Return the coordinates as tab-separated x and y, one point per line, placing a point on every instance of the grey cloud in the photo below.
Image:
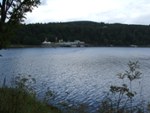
43	2
143	19
129	12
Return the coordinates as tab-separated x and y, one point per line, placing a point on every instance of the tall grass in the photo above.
20	99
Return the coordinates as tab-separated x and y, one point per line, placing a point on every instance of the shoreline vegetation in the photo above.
21	98
13	100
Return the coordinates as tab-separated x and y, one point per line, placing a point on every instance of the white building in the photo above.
46	42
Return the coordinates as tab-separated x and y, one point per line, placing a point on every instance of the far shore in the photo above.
43	46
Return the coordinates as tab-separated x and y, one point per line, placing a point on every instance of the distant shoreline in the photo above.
24	46
42	46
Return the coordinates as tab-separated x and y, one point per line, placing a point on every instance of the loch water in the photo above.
75	75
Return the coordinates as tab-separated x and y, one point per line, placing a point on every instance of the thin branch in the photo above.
9	4
15	11
18	8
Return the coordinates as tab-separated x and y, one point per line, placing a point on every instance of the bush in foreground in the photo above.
122	98
20	99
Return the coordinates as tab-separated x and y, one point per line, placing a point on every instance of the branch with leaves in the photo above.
13	12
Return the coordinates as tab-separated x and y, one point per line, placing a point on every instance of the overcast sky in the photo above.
108	11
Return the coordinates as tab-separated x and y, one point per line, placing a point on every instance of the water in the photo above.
78	75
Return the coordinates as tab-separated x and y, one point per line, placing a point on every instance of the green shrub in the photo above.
120	98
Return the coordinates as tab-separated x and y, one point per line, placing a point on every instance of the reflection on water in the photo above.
75	74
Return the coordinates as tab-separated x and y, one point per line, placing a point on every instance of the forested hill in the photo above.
97	34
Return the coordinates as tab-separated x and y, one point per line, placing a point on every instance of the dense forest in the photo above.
93	33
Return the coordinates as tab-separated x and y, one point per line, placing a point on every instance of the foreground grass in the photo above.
13	100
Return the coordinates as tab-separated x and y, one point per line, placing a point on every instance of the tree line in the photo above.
96	34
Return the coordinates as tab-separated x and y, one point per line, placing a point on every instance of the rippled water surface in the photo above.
74	74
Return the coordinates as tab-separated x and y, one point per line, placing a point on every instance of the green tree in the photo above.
12	12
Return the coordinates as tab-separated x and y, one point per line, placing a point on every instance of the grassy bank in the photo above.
13	100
